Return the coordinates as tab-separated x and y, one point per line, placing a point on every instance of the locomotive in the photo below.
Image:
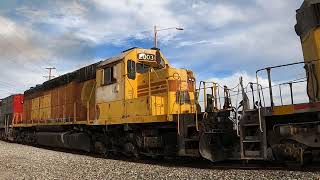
137	104
134	103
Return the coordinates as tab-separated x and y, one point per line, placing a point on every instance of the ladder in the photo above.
188	142
252	141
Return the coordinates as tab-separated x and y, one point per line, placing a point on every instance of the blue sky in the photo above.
222	38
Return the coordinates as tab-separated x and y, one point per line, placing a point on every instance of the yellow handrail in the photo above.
195	106
149	89
88	103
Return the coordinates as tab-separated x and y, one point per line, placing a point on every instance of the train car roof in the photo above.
116	58
80	75
5	98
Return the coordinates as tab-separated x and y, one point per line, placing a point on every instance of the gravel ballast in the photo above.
25	162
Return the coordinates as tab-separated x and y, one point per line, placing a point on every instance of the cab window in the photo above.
108	76
131	69
142	68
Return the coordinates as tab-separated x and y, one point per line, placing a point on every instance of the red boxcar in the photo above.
18	108
11	109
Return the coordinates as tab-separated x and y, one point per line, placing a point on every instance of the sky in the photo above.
221	40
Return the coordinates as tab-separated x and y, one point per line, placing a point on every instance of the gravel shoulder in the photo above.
25	162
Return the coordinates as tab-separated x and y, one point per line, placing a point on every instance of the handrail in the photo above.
179	100
88	102
214	92
168	97
149	93
236	113
268	69
127	79
195	105
259	107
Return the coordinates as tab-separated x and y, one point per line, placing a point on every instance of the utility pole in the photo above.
157	30
155	37
50	76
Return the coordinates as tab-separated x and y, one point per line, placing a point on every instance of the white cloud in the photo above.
193	43
17	43
272	40
21	58
263	36
98	22
219	15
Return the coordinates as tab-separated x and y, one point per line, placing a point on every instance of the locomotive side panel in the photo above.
110	93
61	105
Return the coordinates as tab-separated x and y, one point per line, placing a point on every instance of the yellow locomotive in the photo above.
132	101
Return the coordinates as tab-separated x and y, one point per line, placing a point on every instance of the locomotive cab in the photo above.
141	91
140	86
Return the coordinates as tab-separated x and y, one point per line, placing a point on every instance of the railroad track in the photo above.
198	163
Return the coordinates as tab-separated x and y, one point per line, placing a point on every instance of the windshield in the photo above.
142	68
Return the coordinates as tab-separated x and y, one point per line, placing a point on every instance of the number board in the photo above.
146	57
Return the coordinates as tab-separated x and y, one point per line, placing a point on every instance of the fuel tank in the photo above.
68	140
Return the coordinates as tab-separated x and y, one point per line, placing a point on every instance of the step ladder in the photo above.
188	142
252	140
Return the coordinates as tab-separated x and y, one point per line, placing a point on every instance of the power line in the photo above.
15	62
6	91
8	84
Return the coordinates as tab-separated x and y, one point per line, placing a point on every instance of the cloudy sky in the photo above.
222	40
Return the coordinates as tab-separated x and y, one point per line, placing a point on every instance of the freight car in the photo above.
11	109
136	104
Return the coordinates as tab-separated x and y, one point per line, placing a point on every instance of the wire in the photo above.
7	84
